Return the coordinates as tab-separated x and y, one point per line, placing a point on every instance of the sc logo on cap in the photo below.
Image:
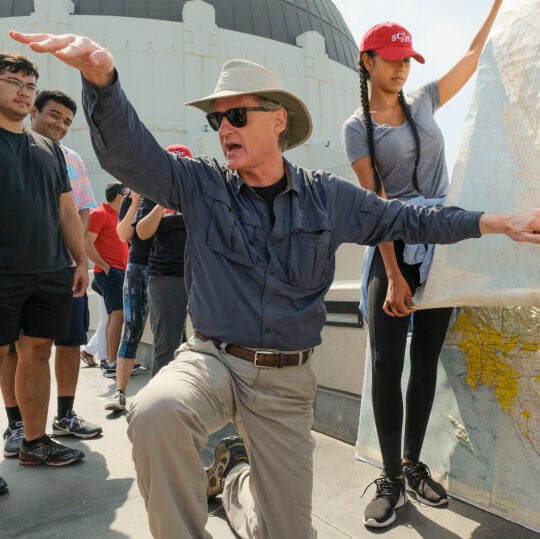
401	36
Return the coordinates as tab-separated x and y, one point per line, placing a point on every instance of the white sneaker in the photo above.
116	402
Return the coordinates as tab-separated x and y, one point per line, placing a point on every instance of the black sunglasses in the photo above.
236	117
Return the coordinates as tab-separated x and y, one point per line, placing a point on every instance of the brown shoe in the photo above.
88	359
229	453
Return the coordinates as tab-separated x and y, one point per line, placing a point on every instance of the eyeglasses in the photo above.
237	117
31	89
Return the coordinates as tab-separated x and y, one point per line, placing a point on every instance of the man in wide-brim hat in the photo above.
244	78
260	257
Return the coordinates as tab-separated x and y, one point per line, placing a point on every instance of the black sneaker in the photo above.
47	451
3	486
229	453
108	369
418	480
390	495
73	425
13	437
116	402
110	372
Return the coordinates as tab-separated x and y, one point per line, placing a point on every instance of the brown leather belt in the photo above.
260	358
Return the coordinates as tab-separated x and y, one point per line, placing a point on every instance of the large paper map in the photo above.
483	438
497	170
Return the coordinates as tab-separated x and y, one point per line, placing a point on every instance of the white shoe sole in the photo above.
114	406
56	432
423	500
372	523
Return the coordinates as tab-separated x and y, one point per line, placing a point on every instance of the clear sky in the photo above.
441	32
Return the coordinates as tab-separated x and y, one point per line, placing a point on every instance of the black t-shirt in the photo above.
269	193
139	250
33	176
167	254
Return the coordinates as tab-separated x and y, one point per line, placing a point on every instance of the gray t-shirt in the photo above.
395	148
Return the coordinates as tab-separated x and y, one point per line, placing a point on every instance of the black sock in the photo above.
35	440
13	414
65	404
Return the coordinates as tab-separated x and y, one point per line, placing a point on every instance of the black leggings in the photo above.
388	338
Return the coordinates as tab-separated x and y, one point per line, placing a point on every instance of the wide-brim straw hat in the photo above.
242	77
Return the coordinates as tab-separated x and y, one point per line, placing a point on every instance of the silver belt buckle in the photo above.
261	353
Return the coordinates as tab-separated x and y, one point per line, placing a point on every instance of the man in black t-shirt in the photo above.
39	222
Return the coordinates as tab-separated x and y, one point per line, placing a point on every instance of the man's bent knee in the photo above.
154	413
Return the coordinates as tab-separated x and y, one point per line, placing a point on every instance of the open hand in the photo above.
92	60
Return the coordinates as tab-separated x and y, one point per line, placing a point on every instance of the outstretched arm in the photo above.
362	217
452	82
94	61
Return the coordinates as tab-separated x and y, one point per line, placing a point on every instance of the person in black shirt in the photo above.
167	294
135	300
39	222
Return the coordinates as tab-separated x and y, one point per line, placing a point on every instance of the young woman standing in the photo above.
396	149
135	296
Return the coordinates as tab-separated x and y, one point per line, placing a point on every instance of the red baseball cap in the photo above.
180	149
391	41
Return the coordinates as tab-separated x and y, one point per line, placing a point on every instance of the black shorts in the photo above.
37	304
79	322
112	287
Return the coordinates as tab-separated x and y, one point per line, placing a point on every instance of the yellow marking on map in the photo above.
501	361
487	351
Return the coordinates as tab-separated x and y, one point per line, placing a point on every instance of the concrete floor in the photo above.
99	498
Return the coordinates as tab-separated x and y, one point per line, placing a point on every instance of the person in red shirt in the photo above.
109	255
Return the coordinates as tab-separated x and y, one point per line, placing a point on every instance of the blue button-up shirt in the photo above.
250	283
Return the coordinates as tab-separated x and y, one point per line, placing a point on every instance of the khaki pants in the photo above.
197	394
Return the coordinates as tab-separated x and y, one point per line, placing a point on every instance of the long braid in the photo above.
407	111
364	98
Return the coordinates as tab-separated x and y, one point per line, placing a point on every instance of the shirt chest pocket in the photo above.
230	238
309	257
